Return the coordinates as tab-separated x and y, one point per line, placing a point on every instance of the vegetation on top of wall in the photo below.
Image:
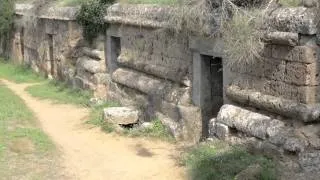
91	17
6	16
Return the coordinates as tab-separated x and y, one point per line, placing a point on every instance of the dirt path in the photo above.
89	154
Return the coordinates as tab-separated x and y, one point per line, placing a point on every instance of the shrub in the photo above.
91	17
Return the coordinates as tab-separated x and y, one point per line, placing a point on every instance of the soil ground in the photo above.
88	153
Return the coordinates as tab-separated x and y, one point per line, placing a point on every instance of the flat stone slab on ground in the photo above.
121	115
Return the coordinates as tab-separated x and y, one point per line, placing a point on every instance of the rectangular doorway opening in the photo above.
51	58
22	43
211	88
115	51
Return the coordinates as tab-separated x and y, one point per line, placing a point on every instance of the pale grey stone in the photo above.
90	65
121	115
294	144
310	161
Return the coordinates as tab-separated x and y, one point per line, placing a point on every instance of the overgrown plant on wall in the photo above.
6	21
91	17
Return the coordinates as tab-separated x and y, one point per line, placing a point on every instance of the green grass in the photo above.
219	161
157	130
17	122
18	73
60	93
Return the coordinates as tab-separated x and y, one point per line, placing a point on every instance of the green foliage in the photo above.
60	93
156	130
221	162
18	73
91	17
6	16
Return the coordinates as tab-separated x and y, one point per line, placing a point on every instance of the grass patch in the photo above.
222	162
22	143
18	73
60	93
155	130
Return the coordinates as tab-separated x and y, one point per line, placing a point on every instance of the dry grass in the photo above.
242	38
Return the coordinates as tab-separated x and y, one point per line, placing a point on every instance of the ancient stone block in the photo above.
294	144
274	69
249	122
284	38
303	54
221	131
301	74
310	161
275	128
297	20
121	115
91	65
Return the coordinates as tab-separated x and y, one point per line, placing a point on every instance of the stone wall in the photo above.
153	68
51	42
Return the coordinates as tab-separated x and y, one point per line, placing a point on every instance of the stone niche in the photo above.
178	78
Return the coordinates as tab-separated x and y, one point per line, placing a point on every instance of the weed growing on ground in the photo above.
222	162
155	130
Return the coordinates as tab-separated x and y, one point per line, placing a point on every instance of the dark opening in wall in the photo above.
22	43
115	50
51	58
211	88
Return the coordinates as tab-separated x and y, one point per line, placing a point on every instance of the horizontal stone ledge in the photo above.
168	73
282	38
93	53
300	20
249	122
284	107
148	84
138	81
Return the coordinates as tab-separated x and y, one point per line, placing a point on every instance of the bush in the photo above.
91	17
6	16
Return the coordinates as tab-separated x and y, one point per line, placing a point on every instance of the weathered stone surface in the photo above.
310	161
252	172
93	53
297	20
301	74
121	115
138	81
312	133
212	127
90	65
284	38
303	54
293	144
275	128
221	131
287	108
254	124
101	78
191	123
172	125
